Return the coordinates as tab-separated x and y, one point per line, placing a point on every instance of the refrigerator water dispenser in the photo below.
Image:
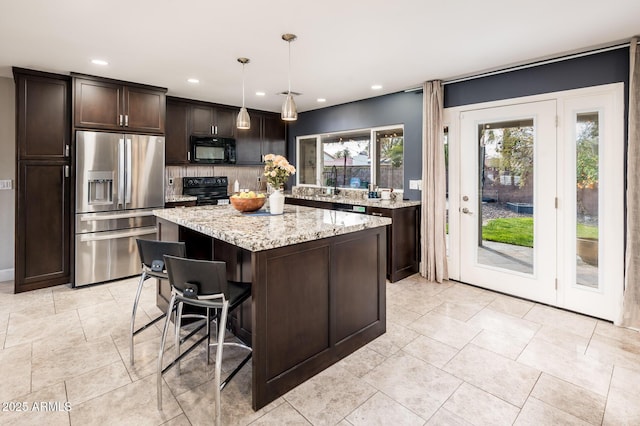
100	188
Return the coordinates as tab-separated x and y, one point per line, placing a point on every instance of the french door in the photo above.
536	199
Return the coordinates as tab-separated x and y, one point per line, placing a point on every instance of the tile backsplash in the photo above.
249	177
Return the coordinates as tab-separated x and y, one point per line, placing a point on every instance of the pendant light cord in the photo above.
243	85
289	42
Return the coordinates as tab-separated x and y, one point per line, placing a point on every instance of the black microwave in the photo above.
212	150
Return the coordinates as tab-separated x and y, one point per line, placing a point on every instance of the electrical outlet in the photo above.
415	184
6	184
170	181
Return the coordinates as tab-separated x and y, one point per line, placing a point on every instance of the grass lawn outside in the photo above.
519	231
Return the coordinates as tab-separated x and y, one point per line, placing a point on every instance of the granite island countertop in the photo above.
368	202
179	198
263	232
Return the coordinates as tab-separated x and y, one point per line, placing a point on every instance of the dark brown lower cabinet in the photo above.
42	225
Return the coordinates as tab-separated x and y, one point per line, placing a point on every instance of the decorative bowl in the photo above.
248	204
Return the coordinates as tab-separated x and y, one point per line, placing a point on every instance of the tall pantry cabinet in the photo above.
43	181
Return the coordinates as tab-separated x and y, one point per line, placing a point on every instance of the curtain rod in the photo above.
530	65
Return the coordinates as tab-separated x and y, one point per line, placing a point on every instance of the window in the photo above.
352	159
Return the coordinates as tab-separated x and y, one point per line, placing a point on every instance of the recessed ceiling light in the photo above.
260	93
376	87
321	100
193	81
99	62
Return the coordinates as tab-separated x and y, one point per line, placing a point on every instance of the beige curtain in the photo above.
433	263
631	308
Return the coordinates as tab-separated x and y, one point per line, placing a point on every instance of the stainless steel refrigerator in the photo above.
119	181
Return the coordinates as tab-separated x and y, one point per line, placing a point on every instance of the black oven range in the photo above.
208	189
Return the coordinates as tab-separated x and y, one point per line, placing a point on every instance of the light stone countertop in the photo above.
179	198
256	233
369	202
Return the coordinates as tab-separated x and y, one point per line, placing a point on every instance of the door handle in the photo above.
66	171
466	211
121	120
120	172
126	120
66	150
127	197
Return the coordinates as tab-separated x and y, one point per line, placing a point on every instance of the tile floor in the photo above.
452	355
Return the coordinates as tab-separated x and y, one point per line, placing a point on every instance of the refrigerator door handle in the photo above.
127	198
92	217
120	201
101	236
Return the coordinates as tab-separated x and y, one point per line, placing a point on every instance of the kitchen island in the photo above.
317	284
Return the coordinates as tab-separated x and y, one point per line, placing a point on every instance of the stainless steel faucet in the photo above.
334	177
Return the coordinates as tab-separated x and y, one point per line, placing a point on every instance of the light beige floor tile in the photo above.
47	347
282	415
563	338
198	403
32	312
180	420
66	324
54	412
80	298
401	316
630	337
459	311
15	372
613	350
574	323
111	319
362	361
577	401
68	362
445	329
502	344
494	373
499	322
479	407
393	340
4	322
536	413
623	404
415	384
444	417
97	382
329	396
431	351
575	368
381	410
414	301
511	305
133	404
461	293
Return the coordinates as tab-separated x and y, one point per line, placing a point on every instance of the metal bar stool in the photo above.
152	257
202	283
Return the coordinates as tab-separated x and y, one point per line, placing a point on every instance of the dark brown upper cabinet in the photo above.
43	107
213	121
177	132
266	136
115	105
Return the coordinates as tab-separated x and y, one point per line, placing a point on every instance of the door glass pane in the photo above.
389	167
506	187
587	162
346	160
308	159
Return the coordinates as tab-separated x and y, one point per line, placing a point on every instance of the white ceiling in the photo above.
343	46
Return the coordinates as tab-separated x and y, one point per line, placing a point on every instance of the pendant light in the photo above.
243	121
289	111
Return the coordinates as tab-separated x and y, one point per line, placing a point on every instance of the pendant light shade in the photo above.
243	121
289	111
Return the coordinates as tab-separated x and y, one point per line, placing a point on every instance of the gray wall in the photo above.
7	171
397	108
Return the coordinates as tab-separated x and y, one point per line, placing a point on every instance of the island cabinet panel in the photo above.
314	320
105	104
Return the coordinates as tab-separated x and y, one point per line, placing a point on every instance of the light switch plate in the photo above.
415	184
170	181
6	184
